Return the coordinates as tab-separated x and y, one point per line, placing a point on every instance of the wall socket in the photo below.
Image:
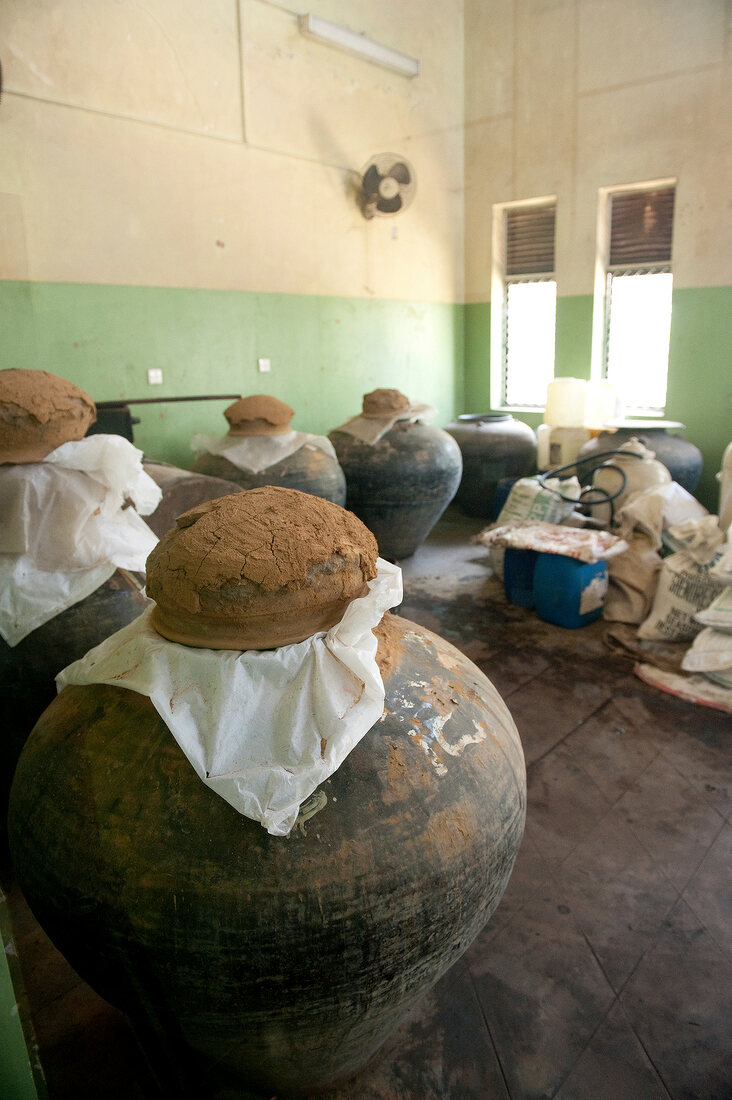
264	365
155	377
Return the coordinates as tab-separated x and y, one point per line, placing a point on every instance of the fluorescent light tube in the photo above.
315	27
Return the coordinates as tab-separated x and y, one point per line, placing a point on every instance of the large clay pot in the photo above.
252	964
182	490
309	469
494	447
27	670
400	486
681	458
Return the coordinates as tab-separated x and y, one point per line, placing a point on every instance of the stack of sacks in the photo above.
686	583
646	522
711	652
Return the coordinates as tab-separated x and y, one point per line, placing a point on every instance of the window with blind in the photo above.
638	286
529	301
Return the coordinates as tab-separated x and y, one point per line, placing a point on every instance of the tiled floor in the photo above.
606	973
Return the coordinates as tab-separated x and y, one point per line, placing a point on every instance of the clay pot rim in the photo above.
481	418
248	631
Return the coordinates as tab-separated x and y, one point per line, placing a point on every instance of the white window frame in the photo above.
499	282
600	309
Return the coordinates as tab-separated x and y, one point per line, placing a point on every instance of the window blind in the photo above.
641	225
530	240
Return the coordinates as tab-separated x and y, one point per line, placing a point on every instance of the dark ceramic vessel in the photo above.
259	965
681	458
182	489
494	447
27	670
400	485
309	469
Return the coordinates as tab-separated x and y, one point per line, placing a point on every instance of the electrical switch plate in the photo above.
264	365
155	377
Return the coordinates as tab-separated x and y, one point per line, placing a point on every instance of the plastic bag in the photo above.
699	538
263	728
719	612
370	429
655	510
67	527
711	654
255	453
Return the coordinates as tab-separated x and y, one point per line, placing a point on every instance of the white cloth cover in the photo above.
254	453
370	429
261	728
66	527
553	538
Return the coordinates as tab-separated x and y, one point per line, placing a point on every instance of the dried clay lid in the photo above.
38	412
382	404
259	415
258	569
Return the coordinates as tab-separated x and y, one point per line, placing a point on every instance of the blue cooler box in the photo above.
518	576
568	592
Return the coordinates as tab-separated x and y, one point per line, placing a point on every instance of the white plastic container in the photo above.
566	400
558	446
600	404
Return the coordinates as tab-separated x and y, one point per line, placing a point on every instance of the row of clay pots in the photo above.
252	964
398	484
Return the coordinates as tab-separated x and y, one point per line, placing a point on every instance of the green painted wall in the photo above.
478	357
574	337
700	367
325	352
700	377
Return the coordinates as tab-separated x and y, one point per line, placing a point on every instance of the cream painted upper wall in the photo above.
212	145
567	96
156	212
166	61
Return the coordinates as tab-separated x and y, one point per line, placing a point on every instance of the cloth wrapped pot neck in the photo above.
38	412
259	415
257	570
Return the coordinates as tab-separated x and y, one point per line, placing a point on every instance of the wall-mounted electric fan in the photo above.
388	185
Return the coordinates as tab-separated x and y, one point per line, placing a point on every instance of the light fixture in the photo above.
315	27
